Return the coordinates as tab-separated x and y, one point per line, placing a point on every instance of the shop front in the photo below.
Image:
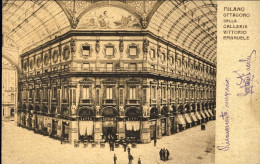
203	116
164	126
109	124
181	122
132	129
65	130
187	119
152	124
194	119
86	125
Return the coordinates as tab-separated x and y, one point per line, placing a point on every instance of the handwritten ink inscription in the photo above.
227	93
246	77
225	145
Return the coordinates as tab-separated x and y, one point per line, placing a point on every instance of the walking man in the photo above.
128	149
130	158
115	158
161	154
113	146
110	146
154	142
167	154
124	144
139	161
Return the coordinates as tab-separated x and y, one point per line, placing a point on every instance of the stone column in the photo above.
97	129
145	135
59	130
168	126
73	131
158	128
121	128
49	125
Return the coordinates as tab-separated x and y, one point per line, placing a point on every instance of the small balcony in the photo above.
109	102
85	102
64	101
133	102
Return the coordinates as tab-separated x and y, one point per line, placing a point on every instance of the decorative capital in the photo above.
74	22
144	23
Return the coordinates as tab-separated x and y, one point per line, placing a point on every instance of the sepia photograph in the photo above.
110	81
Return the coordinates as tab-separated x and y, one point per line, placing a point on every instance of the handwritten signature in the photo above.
225	146
246	78
227	93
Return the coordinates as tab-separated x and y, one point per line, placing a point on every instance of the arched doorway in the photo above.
133	124
86	126
154	113
109	123
12	112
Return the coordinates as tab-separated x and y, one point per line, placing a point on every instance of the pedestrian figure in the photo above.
124	144
115	158
110	145
139	161
161	154
130	158
167	154
128	149
154	142
113	146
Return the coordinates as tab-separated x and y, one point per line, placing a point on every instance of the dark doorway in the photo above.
12	112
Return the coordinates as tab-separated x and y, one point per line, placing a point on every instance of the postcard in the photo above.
130	81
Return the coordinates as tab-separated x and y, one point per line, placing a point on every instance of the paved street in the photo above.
19	145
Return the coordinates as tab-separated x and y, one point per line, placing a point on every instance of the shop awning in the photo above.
181	120
198	115
193	117
86	127
207	113
210	112
133	125
202	114
187	118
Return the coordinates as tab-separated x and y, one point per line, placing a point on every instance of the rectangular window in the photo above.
132	51
85	92
85	66
109	93
65	92
121	97
109	66
172	93
163	93
132	93
30	93
85	50
45	93
97	97
133	66
153	94
163	56
152	53
54	92
109	50
144	96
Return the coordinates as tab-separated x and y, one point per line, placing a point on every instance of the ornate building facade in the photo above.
9	90
117	74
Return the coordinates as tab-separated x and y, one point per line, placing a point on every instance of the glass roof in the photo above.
32	22
188	24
